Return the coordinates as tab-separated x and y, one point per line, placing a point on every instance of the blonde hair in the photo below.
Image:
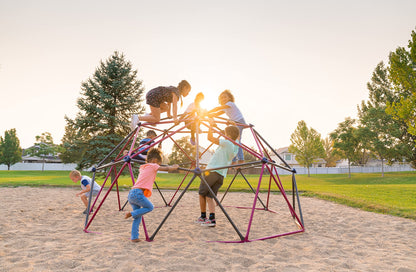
199	97
229	94
75	173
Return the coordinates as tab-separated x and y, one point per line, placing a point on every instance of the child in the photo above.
86	182
223	156
142	189
145	143
160	99
193	109
226	100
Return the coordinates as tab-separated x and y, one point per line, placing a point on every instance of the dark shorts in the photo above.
153	98
160	95
214	181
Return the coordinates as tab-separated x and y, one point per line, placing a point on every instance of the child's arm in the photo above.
211	137
86	190
169	168
174	107
217	111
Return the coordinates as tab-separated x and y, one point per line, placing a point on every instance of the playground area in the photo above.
41	230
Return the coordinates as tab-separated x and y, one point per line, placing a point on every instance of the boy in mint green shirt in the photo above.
223	156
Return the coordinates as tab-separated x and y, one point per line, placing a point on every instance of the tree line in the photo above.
386	125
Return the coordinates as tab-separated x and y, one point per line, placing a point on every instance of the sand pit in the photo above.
41	229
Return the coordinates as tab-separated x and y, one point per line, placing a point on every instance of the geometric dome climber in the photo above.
268	202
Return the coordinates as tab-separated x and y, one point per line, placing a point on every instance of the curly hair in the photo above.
229	94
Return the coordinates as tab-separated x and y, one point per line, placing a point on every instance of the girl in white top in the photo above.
226	100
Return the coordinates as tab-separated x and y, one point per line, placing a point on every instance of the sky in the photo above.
284	61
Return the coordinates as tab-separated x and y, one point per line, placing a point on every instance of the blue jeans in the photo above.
141	205
240	154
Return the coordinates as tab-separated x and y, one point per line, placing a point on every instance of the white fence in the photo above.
343	170
38	166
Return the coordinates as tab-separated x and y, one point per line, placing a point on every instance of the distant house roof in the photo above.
282	150
33	159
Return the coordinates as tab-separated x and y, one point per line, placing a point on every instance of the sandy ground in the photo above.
41	229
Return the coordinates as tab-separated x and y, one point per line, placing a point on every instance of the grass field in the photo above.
393	194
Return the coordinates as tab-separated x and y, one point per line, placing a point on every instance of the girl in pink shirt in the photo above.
142	189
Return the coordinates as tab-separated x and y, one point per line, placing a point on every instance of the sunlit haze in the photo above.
283	61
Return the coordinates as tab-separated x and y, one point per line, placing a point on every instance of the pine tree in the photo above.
109	98
10	150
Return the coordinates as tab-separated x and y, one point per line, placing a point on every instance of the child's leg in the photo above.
154	116
84	200
164	107
203	203
211	204
240	154
141	205
136	223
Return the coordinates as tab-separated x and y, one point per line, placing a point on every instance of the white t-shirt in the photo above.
234	113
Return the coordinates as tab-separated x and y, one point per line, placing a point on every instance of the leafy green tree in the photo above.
10	150
306	145
178	156
43	147
383	131
364	153
403	76
109	98
346	141
330	155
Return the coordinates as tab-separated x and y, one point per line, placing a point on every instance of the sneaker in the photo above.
200	220
192	141
209	223
85	211
134	121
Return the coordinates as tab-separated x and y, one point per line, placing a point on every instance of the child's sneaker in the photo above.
209	223
134	121
200	220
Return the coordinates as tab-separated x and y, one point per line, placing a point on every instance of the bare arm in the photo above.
169	168
217	111
87	189
175	107
211	137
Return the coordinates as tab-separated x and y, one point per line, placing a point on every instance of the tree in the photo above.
382	130
178	156
403	76
43	147
10	150
330	155
71	151
346	141
109	98
306	145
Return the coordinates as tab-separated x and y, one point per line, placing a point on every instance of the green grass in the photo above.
393	194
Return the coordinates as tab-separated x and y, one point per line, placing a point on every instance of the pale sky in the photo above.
284	61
